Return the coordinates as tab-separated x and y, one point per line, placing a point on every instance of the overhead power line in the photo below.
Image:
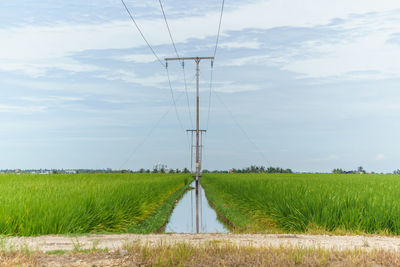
242	129
167	72
212	68
154	53
149	133
209	97
212	64
182	64
141	33
169	30
173	100
219	27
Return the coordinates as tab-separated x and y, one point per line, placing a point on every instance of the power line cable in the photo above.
242	129
150	132
209	98
181	62
212	67
162	64
141	33
169	30
212	63
219	27
173	100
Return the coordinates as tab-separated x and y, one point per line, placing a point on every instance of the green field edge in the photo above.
157	222
238	223
216	204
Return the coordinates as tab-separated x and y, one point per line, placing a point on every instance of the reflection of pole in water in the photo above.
201	208
205	219
191	207
197	206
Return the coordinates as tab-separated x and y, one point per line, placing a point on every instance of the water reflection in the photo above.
183	218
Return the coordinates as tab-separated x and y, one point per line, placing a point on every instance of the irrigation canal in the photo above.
182	219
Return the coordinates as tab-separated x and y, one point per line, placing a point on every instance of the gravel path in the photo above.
114	242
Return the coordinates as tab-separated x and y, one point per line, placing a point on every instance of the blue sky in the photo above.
314	83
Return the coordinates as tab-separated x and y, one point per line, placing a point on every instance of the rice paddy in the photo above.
86	203
307	202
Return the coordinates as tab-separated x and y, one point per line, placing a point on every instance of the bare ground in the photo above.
200	250
117	242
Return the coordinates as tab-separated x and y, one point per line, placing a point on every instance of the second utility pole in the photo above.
198	131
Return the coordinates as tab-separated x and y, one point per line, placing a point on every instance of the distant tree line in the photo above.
261	169
214	171
163	170
360	170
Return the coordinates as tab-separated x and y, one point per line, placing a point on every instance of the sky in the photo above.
310	85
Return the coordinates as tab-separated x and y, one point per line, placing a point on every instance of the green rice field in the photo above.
86	203
313	203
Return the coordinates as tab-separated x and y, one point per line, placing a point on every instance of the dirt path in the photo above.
115	242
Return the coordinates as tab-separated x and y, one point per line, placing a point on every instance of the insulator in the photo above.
166	65
212	63
183	64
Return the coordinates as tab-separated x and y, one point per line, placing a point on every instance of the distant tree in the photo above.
206	171
141	170
396	171
253	169
171	171
360	170
178	171
337	171
186	170
147	171
155	171
162	170
260	169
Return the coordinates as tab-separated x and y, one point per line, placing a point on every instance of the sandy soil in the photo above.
114	242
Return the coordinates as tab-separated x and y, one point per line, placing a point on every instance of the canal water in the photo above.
183	218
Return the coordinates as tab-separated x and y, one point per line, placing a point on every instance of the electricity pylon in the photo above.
197	130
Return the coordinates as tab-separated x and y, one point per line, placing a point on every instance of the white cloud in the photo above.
236	45
227	87
138	58
325	158
40	68
132	77
52	99
265	60
366	57
362	53
19	109
380	156
40	42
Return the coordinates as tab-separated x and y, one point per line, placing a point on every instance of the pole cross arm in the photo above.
202	131
187	58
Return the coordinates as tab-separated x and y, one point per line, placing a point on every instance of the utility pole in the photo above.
197	130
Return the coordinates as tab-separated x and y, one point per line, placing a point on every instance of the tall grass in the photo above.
304	202
83	203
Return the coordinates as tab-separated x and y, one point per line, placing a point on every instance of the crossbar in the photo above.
203	131
187	58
